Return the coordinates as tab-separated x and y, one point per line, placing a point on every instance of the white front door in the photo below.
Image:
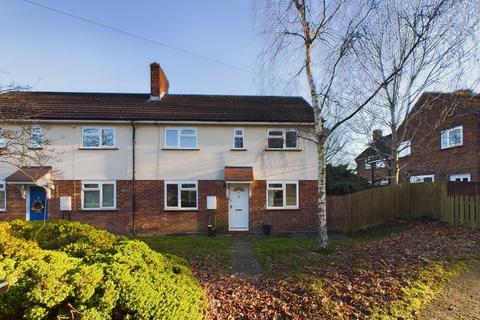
238	207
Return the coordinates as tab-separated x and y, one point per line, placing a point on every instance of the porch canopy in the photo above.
238	174
32	176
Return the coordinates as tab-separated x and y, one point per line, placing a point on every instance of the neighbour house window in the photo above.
98	195
3	141
380	164
282	139
98	137
422	178
282	195
238	135
404	149
368	164
181	195
181	138
452	137
461	177
375	163
36	137
3	196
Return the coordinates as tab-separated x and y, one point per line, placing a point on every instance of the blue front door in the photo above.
38	204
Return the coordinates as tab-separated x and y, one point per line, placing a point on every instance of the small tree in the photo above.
325	41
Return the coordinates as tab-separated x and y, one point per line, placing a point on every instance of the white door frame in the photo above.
247	186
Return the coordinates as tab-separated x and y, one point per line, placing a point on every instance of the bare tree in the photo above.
329	37
444	52
22	141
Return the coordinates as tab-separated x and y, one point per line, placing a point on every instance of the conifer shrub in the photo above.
60	269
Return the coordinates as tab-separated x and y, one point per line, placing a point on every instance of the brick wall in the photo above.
426	155
151	218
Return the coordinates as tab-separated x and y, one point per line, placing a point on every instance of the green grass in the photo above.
213	249
421	290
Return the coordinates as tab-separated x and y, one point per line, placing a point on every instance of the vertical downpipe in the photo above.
134	194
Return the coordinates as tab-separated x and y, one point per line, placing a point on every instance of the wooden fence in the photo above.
453	202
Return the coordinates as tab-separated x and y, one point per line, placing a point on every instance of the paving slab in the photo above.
243	258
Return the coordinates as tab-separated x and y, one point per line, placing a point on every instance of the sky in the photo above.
53	52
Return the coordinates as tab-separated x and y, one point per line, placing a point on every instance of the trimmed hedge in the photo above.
63	268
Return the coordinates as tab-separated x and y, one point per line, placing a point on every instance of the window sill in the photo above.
94	210
102	148
181	149
238	149
452	147
180	209
275	149
284	208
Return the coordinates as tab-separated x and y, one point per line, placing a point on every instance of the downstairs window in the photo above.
282	195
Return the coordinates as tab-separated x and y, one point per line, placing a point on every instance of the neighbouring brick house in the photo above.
441	142
165	163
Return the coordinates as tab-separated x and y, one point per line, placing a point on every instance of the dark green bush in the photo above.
61	268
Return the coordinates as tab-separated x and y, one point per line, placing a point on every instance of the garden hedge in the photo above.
65	269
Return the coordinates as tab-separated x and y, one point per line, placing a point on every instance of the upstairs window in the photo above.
181	138
282	195
98	195
36	137
404	149
452	137
282	139
98	137
238	135
3	196
181	195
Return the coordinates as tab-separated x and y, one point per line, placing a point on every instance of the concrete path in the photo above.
243	258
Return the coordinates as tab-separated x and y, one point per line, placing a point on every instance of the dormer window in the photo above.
98	137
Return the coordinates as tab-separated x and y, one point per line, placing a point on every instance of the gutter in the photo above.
134	194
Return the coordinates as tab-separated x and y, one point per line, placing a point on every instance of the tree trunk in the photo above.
322	195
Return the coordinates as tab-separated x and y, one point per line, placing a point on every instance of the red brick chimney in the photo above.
158	82
377	134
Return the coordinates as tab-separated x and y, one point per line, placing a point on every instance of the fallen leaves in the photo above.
346	283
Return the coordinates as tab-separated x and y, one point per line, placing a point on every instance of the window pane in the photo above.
239	132
456	137
90	131
91	199
36	137
275	133
188	142
291	194
90	185
275	143
429	179
188	132
108	137
238	142
91	141
172	138
108	196
275	198
188	185
291	139
2	200
189	199
172	195
275	185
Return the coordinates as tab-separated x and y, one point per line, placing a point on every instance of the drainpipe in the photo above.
134	194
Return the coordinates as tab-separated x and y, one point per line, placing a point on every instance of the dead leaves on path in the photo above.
356	277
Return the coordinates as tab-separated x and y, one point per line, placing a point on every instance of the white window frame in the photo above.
3	188
100	190
368	164
179	135
179	194
284	136
40	145
404	148
460	176
380	164
445	137
421	177
284	189
100	137
235	135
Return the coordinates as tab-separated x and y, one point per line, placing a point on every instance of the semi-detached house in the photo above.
164	163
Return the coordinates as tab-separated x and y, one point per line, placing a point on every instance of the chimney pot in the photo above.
159	84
